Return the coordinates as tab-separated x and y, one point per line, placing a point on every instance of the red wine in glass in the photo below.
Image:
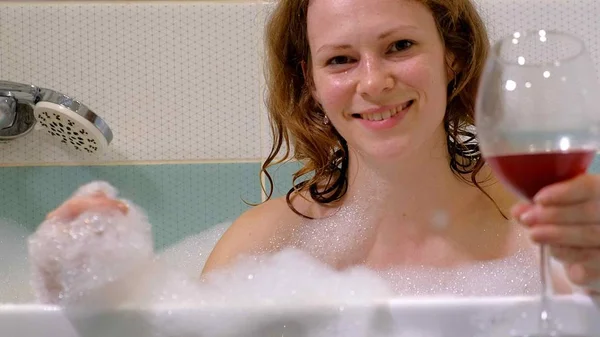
528	173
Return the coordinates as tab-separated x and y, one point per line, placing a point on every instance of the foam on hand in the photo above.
74	259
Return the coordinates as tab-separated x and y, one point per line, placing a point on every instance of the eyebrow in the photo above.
380	37
397	29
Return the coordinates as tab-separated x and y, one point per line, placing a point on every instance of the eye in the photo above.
339	60
401	45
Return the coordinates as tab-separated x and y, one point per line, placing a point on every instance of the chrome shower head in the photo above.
61	116
72	122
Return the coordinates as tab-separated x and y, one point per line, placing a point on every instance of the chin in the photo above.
386	152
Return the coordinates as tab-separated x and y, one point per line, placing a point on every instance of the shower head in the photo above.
72	122
63	117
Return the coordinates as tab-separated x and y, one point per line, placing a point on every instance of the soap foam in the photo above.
339	238
290	279
302	295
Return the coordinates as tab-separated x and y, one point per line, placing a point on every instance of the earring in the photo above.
325	120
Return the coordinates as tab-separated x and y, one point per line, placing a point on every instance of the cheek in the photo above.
429	81
333	93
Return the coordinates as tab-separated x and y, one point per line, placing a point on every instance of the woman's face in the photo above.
379	72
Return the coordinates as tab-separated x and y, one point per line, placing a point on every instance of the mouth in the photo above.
383	115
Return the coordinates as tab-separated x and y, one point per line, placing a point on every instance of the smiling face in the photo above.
379	72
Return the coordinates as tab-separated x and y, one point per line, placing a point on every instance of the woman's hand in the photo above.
566	216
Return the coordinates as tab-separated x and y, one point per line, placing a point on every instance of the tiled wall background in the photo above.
177	83
180	84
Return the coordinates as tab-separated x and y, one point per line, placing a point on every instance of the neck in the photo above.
415	188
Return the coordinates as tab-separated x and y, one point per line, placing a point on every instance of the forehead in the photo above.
328	18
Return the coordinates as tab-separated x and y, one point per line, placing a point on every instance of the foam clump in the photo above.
291	276
76	258
285	285
287	278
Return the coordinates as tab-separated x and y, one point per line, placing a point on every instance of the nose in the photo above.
375	79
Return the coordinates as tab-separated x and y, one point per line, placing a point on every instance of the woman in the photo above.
376	98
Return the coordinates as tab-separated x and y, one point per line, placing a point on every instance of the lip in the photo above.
386	123
381	109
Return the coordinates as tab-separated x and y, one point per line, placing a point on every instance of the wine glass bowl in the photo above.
536	118
537	94
536	113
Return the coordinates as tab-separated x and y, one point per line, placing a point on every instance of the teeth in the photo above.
384	115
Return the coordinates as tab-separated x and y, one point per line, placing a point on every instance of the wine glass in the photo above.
537	120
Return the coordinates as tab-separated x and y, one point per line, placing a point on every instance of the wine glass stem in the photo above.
547	291
545	272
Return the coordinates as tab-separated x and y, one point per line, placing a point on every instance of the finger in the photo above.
122	207
571	255
520	208
583	236
583	213
75	207
80	206
576	190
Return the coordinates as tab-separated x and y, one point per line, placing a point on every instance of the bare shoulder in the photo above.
261	229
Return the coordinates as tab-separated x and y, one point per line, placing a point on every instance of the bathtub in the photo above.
419	317
405	317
